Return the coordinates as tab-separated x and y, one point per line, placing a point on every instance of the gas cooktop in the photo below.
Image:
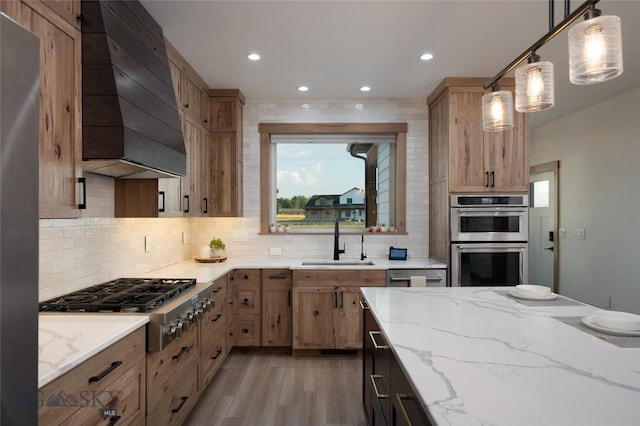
121	295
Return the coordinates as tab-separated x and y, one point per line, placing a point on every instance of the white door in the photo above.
542	228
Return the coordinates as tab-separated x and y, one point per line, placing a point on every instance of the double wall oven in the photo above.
489	240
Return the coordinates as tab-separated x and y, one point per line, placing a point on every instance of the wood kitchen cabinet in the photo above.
226	152
112	380
465	156
276	307
326	310
172	380
60	103
195	185
213	333
246	307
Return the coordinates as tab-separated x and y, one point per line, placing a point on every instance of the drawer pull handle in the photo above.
216	289
375	387
280	276
179	354
373	339
182	402
216	318
400	397
113	420
364	305
113	366
218	352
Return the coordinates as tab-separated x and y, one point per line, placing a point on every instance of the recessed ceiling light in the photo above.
303	88
426	56
365	88
253	56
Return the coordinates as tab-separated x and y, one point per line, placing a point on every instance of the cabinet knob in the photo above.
245	330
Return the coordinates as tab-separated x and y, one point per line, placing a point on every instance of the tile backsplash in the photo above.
77	253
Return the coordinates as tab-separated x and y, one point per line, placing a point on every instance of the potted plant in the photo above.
217	247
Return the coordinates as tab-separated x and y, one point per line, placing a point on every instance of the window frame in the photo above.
266	173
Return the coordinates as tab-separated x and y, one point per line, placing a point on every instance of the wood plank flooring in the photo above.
263	389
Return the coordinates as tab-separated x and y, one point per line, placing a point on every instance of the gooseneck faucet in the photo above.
363	256
336	243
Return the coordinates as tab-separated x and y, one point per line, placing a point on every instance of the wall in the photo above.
413	111
598	149
78	253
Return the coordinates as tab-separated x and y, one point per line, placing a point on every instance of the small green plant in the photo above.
217	244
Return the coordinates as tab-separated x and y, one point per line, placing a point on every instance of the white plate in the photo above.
533	290
616	320
515	293
588	321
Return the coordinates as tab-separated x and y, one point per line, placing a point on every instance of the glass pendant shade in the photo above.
534	87
497	111
595	50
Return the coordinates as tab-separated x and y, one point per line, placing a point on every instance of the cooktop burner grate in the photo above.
120	295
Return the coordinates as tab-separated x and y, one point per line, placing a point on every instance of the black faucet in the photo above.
363	256
336	243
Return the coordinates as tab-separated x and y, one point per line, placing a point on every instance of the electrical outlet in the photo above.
580	233
147	243
275	251
563	232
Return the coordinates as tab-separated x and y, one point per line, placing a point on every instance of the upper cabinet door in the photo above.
467	171
60	110
508	156
69	10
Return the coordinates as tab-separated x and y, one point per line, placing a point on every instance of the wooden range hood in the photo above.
131	127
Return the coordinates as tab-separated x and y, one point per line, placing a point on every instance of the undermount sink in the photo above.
337	263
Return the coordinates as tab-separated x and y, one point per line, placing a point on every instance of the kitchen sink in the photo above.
337	263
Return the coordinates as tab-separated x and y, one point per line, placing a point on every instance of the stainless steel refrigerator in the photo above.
19	177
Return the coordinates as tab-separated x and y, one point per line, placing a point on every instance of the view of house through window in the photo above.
318	182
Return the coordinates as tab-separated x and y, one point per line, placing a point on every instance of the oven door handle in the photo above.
490	210
485	246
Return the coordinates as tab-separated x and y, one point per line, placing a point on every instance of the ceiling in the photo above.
335	47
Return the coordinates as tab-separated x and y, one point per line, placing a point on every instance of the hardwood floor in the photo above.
262	389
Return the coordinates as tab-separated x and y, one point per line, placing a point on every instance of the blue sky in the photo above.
317	168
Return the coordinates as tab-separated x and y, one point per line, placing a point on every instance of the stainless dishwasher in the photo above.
403	277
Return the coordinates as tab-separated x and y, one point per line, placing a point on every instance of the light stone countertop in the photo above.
206	272
66	340
479	358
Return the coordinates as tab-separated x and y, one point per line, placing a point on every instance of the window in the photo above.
315	174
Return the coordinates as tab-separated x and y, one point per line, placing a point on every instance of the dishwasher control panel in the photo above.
416	278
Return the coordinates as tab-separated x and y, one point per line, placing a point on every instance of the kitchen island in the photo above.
477	356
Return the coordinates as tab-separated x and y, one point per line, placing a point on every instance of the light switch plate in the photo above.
239	236
580	233
563	232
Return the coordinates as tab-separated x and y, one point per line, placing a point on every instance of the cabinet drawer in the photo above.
213	324
122	402
245	276
92	376
212	357
276	276
247	300
339	278
248	330
162	365
173	402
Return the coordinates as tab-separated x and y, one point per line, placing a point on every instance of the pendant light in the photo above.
595	49
497	110
534	86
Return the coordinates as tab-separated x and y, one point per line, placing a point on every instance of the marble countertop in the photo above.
476	357
64	341
205	272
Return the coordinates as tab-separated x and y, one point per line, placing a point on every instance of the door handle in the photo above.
549	248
